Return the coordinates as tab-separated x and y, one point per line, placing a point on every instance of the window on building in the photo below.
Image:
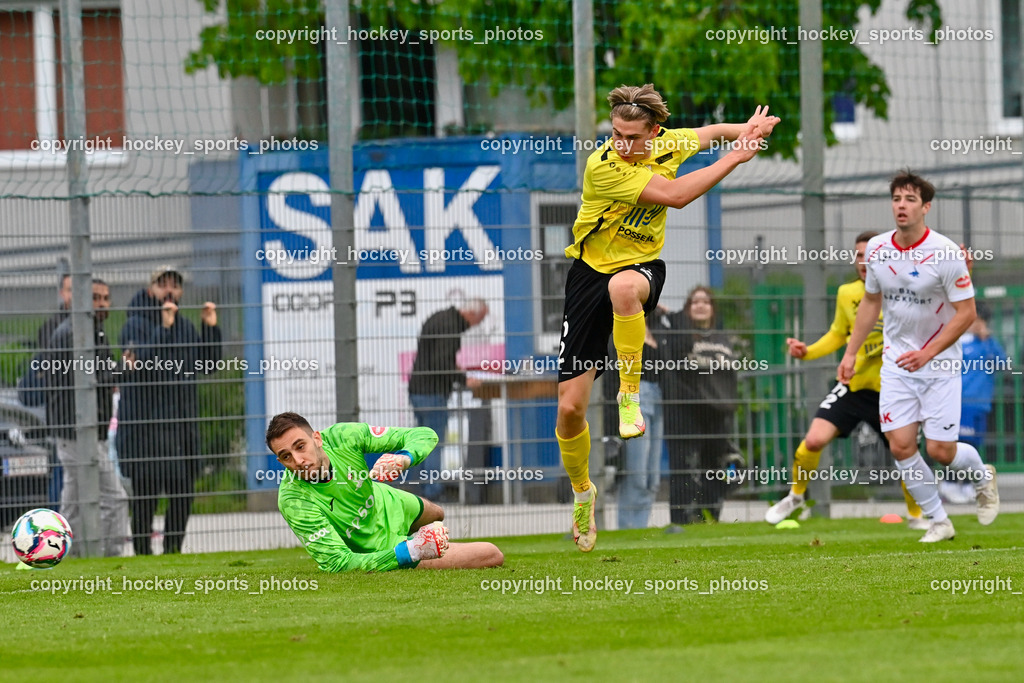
31	100
1004	70
1009	62
398	86
555	216
845	126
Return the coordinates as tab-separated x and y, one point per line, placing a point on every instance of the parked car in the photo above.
28	460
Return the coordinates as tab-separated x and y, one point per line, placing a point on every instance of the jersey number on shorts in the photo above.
561	344
837	392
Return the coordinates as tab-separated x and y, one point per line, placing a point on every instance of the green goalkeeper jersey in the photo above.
351	522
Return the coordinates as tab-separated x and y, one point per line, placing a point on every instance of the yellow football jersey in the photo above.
612	231
868	366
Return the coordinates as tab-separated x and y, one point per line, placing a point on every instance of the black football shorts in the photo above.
587	322
846	409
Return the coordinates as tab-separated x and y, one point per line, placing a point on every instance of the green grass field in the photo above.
849	600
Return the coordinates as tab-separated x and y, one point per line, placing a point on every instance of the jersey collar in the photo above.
927	231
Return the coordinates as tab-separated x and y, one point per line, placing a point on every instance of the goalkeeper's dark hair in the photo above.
865	236
282	422
638	103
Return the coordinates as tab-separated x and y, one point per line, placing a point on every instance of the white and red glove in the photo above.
428	543
389	466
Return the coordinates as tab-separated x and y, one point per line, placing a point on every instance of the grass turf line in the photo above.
842	600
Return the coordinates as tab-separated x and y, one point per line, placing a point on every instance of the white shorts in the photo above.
934	402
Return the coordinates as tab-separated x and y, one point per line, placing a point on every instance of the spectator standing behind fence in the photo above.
158	432
60	416
700	400
32	384
984	357
46	330
435	373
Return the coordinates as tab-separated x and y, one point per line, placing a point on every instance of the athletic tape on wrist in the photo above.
403	555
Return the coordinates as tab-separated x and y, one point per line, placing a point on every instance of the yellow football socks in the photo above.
628	335
804	462
576	458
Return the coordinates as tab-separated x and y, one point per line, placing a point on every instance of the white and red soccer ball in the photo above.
41	538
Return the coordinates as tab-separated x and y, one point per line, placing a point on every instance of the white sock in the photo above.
920	482
968	459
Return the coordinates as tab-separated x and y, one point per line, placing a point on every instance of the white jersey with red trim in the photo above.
918	285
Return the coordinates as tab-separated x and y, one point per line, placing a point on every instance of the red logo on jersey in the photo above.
885	419
378	431
964	282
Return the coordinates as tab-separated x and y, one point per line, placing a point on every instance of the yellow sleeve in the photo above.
828	343
681	141
612	179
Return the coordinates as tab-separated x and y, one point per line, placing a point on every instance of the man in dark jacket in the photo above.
47	329
435	373
60	416
158	432
32	385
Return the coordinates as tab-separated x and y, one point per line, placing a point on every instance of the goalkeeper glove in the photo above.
389	466
428	543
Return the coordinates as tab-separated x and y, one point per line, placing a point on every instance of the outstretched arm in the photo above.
681	191
357	437
828	343
727	132
832	340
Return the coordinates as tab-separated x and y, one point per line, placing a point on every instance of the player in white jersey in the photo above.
919	280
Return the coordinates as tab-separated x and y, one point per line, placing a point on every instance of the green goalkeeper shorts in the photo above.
401	510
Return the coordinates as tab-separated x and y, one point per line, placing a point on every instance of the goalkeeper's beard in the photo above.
315	476
319	473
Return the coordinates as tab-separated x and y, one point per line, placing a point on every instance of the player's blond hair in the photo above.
638	103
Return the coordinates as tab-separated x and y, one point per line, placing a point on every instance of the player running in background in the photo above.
616	277
920	281
348	522
845	406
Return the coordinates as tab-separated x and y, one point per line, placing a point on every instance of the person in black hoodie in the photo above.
158	432
700	402
435	374
46	330
60	416
32	384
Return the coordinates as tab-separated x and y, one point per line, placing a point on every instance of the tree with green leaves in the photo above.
636	41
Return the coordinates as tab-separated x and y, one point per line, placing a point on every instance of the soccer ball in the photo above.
41	538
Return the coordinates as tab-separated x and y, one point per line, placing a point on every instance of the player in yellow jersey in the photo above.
845	406
617	277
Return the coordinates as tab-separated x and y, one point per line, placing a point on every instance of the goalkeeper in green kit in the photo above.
342	513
